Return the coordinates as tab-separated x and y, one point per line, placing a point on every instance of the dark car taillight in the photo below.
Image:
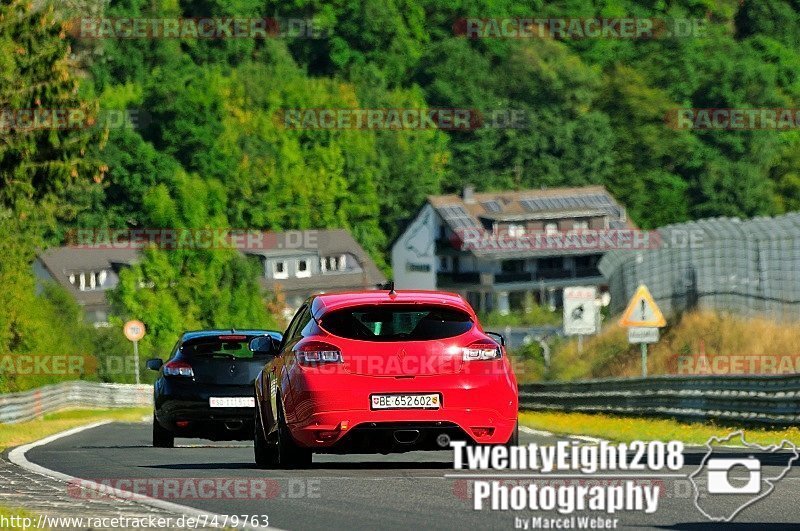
482	350
314	352
178	368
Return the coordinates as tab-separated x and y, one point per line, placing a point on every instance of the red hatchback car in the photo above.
378	371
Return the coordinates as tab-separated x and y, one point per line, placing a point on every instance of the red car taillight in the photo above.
482	350
315	352
178	368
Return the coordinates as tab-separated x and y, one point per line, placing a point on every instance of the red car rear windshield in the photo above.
412	322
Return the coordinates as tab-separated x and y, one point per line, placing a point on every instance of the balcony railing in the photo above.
458	278
517	276
592	271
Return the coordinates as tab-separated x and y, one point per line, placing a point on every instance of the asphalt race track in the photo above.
400	491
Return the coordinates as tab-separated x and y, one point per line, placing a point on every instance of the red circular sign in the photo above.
134	330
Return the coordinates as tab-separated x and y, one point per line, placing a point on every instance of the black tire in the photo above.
514	440
162	437
290	455
266	454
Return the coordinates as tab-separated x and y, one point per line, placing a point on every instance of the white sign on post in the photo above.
642	318
641	334
580	311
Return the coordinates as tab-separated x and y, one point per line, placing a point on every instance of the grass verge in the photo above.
33	430
763	346
9	513
627	429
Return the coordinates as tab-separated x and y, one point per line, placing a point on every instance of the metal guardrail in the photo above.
28	405
742	399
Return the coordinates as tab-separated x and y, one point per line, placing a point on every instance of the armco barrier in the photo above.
742	399
27	405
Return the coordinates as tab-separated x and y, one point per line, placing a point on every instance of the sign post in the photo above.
580	312
134	331
642	318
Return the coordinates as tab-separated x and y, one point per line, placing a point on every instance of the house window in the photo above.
334	263
89	280
516	231
330	263
279	270
580	225
551	228
302	269
444	263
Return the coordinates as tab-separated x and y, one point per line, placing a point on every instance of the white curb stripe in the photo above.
17	456
540	433
586	438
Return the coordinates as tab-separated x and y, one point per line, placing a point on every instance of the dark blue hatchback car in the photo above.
205	388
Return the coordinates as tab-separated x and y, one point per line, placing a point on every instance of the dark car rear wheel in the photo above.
162	437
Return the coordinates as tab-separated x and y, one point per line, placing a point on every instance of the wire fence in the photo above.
746	267
28	405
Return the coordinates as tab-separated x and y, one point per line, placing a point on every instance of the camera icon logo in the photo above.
719	476
732	476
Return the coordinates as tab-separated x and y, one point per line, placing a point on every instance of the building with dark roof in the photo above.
498	249
298	263
320	261
85	273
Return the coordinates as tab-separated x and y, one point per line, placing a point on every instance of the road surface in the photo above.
400	491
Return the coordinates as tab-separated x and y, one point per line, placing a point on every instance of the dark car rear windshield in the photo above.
396	323
216	347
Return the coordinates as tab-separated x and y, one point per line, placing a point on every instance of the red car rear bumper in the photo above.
322	408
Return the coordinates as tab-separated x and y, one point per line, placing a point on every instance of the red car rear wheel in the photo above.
265	453
290	455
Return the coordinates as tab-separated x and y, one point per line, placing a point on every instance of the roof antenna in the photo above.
390	287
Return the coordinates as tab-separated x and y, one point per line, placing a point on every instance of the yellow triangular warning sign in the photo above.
642	310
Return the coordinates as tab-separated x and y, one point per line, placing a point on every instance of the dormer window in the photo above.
279	269
334	263
331	263
89	280
303	270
